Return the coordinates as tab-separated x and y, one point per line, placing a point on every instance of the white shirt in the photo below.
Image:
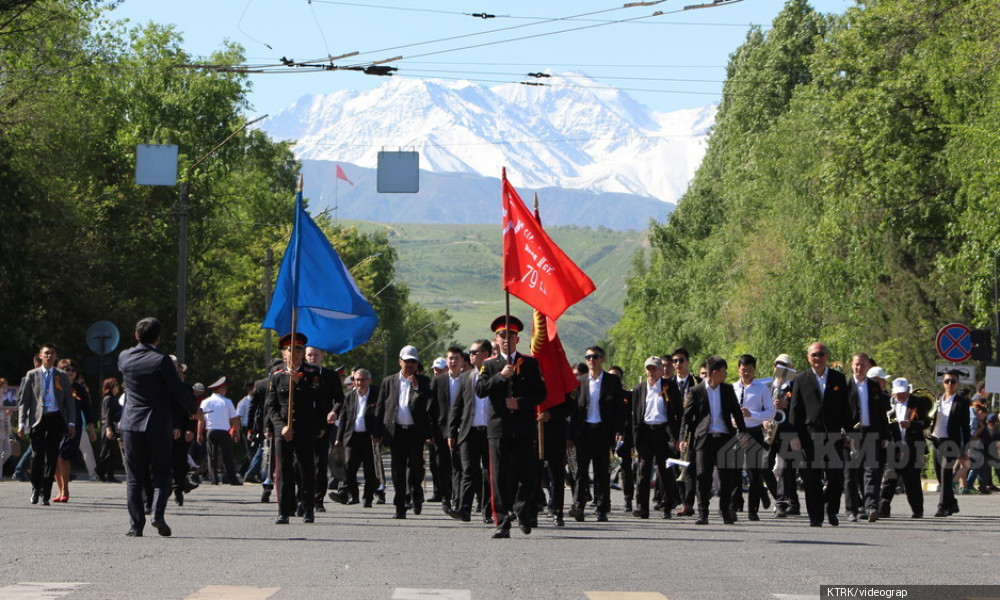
755	397
594	399
481	404
863	401
218	411
404	416
243	409
655	412
943	414
901	415
359	419
821	380
717	425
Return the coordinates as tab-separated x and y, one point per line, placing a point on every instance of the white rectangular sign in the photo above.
966	373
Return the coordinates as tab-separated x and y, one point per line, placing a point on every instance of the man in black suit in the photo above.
152	391
295	434
401	419
950	432
869	436
820	411
595	423
907	420
444	390
513	382
467	433
262	431
680	363
710	409
330	402
656	406
46	411
354	434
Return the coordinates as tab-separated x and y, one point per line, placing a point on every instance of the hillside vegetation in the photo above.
848	193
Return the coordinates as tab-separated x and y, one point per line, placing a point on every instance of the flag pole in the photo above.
541	428
295	317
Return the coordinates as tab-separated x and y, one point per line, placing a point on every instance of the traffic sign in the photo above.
102	337
966	373
954	342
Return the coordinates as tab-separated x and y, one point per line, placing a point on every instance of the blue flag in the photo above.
332	313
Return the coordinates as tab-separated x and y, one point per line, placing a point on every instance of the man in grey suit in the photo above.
47	410
152	389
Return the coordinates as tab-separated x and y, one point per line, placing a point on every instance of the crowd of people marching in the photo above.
500	447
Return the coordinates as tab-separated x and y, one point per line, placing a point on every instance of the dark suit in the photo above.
654	442
863	472
906	456
445	464
713	449
594	441
820	417
470	440
153	391
948	448
46	426
690	488
330	397
512	435
358	449
296	458
406	442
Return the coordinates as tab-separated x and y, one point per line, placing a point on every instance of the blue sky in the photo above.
667	62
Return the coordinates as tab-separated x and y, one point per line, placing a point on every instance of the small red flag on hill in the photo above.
342	175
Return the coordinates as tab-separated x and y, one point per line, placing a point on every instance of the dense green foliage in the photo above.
82	242
846	195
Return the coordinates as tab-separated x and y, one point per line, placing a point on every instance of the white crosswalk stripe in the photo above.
233	592
38	590
430	594
625	596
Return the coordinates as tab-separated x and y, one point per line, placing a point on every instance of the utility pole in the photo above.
182	236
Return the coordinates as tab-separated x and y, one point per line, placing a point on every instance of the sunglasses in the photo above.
678	361
817	354
950	381
592	356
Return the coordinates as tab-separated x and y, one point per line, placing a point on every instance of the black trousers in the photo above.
407	455
946	453
824	454
513	478
906	464
757	464
627	469
555	461
441	468
654	450
323	463
296	461
147	463
179	463
593	448
474	454
220	446
863	473
716	451
106	455
45	439
360	453
780	455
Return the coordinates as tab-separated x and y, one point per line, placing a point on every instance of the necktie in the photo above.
48	382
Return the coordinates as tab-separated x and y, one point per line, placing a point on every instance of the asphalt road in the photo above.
223	536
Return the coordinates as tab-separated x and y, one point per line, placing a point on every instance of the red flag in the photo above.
547	349
342	175
535	269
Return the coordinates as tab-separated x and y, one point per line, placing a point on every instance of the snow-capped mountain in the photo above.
579	135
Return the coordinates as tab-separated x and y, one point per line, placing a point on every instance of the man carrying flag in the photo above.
513	383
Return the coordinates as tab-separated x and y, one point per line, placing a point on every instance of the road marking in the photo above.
36	590
419	594
233	592
625	596
796	596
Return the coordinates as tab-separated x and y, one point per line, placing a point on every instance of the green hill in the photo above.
458	267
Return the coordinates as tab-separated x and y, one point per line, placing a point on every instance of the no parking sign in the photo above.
954	342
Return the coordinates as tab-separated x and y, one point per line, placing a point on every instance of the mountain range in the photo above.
587	149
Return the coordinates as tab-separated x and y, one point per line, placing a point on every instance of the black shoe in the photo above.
434	498
728	516
281	520
765	501
794	510
380	498
628	507
34	497
557	520
701	520
501	533
780	510
602	517
873	516
400	514
525	526
300	510
666	514
917	515
834	521
752	516
161	528
179	497
460	515
319	507
853	517
417	507
338	497
576	514
367	504
815	523
265	496
111	479
942	513
133	532
309	517
642	514
352	502
45	502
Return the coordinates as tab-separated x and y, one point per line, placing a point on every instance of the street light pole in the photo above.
182	235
